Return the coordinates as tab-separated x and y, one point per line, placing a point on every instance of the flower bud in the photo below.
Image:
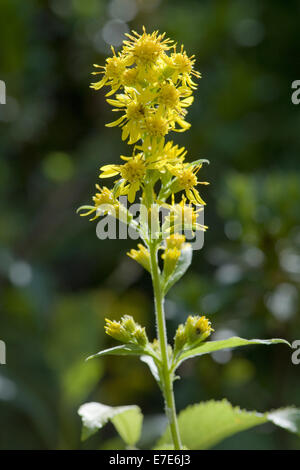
179	339
141	256
116	330
175	241
128	323
195	330
127	331
141	336
170	257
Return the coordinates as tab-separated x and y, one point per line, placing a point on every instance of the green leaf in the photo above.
199	162
204	425
168	447
126	419
287	418
129	425
181	267
152	366
123	350
234	342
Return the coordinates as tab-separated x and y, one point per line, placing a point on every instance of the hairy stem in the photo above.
167	379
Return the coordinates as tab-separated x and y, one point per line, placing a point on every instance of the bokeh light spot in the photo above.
124	10
58	166
113	32
20	273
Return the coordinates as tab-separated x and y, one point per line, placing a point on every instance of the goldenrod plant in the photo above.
151	83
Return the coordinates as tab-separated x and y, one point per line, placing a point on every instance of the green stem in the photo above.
167	374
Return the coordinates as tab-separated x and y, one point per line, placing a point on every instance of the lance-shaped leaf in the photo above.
199	162
123	350
152	366
205	424
146	356
234	342
126	419
182	265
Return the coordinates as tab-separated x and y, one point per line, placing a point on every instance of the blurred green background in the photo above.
58	280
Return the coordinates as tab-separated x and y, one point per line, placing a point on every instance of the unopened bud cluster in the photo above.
126	331
195	330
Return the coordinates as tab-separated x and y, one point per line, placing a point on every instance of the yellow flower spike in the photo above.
150	87
141	256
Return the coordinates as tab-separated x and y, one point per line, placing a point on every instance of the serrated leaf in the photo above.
203	425
234	342
123	350
181	267
287	418
126	419
129	425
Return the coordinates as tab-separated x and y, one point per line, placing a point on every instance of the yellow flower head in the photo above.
186	180
104	203
141	256
113	72
134	170
156	126
184	67
144	49
132	175
169	95
182	217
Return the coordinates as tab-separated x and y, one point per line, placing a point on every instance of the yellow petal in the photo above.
115	123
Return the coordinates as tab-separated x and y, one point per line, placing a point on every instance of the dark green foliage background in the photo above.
246	278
